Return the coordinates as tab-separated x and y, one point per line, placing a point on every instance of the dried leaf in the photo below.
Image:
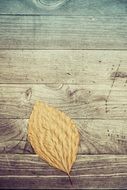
54	136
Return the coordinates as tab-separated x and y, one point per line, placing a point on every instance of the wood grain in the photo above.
61	56
63	32
13	136
63	66
97	136
28	171
71	7
78	101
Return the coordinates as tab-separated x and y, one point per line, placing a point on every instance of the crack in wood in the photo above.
119	74
112	85
28	93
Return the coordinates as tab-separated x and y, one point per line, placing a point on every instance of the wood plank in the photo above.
96	136
63	32
78	101
63	66
28	171
71	7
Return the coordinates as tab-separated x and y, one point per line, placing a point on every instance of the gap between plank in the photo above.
67	15
38	49
101	119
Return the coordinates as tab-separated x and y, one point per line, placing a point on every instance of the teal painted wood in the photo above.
63	32
71	7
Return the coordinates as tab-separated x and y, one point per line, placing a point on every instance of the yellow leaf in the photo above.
53	136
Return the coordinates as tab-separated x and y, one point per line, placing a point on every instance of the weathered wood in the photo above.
13	136
90	86
28	171
63	32
63	66
97	136
79	101
71	7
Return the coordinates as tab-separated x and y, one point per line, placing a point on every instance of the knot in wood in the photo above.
50	4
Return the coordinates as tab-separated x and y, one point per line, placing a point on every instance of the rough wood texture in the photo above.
71	7
63	32
63	66
28	171
13	136
97	136
79	101
90	86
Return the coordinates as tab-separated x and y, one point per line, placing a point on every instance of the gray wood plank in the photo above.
63	32
71	7
96	136
63	66
28	171
78	101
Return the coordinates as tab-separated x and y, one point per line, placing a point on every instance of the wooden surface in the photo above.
89	171
74	57
96	67
97	136
71	7
63	32
79	101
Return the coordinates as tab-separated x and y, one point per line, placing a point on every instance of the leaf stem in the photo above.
70	179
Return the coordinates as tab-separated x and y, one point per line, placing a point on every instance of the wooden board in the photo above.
63	66
70	7
97	136
63	32
28	171
78	101
74	57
